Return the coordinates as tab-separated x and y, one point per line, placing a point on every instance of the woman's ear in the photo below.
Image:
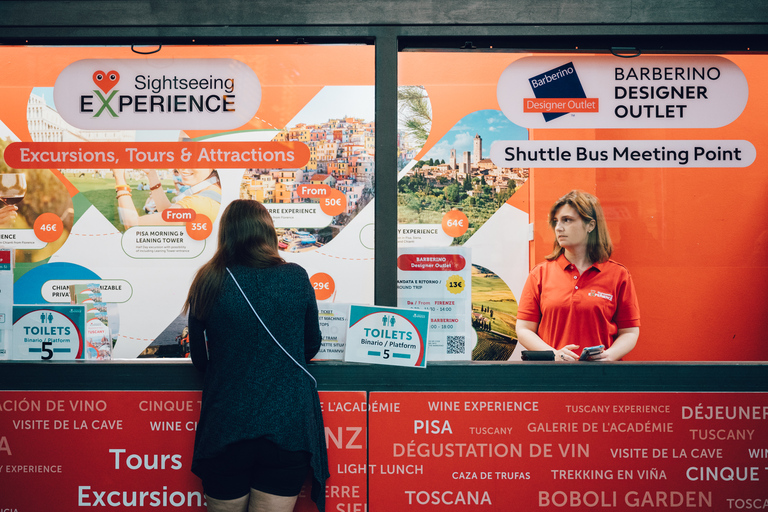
591	225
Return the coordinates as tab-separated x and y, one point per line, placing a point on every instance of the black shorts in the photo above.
253	464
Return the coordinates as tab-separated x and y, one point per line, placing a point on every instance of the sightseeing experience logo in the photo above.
130	94
106	82
558	92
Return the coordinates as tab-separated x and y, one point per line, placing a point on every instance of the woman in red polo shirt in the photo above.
579	297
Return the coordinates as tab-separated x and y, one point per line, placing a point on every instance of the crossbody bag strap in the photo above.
267	328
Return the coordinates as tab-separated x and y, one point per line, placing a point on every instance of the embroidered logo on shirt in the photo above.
602	295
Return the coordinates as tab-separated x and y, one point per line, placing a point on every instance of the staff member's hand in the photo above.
567	354
625	341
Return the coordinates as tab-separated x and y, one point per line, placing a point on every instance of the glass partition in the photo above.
119	164
672	146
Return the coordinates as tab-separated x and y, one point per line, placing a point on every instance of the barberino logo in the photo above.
186	94
602	295
559	92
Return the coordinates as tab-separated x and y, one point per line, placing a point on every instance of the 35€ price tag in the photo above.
200	228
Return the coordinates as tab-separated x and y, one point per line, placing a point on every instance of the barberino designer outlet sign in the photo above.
612	92
134	94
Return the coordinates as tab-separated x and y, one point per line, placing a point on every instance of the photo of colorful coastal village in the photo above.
341	158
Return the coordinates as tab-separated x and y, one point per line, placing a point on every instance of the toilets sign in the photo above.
393	336
132	94
48	332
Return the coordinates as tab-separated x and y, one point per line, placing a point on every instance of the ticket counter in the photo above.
547	435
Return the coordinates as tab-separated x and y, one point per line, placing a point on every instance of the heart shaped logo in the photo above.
106	81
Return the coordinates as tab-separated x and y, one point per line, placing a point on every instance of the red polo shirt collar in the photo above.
563	263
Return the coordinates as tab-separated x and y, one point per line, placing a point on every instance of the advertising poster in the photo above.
133	450
438	280
664	141
547	451
452	195
116	165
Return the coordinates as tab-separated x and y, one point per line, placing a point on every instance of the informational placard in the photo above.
439	280
6	302
333	317
393	336
561	451
133	450
48	332
624	153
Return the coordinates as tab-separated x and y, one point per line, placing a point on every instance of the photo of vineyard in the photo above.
494	316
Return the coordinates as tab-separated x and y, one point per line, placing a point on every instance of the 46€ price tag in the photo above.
48	227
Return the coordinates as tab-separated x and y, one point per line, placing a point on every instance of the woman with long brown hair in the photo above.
253	326
579	297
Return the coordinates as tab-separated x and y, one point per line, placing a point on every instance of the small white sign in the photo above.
333	318
623	153
112	290
161	242
439	280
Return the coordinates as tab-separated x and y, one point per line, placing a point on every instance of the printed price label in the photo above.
48	227
334	204
455	223
323	284
200	228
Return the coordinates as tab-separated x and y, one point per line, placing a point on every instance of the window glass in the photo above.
670	144
128	160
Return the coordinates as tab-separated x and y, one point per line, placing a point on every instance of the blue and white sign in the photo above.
393	336
48	332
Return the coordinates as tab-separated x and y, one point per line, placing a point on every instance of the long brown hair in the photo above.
246	237
599	246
